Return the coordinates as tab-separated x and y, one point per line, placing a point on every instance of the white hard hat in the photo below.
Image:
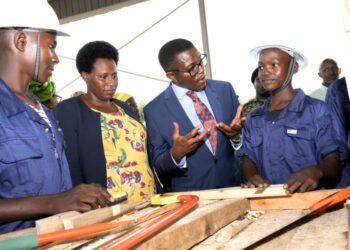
287	43
32	14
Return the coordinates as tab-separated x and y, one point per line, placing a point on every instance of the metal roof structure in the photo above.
68	10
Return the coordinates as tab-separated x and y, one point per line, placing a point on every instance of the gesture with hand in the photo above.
182	145
236	125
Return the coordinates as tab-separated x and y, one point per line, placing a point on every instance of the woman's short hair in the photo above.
92	51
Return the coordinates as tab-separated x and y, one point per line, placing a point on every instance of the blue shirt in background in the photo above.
337	100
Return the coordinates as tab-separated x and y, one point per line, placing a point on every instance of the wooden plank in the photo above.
194	228
296	201
198	225
347	207
64	246
218	240
102	214
237	192
268	223
98	240
137	218
53	223
30	230
282	223
328	231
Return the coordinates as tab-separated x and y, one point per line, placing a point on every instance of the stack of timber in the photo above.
279	227
230	218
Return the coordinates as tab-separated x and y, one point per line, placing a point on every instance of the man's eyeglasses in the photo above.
195	68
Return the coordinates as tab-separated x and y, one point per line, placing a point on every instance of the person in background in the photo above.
77	93
34	173
53	101
190	143
260	95
337	99
128	99
106	144
289	140
45	92
329	72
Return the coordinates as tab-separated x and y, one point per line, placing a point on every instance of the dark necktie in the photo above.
206	118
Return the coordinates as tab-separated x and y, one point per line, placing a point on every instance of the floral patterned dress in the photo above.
124	144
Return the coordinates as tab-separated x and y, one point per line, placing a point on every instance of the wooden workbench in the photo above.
328	231
225	224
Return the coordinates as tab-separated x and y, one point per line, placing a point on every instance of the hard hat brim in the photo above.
300	58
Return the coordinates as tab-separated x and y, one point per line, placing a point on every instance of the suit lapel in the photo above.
176	110
213	99
215	104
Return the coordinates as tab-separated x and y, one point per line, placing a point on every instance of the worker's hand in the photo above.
82	198
182	145
234	129
303	180
256	181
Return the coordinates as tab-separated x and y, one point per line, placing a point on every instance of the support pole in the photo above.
205	39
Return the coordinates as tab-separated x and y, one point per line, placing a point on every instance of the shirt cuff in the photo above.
182	163
237	143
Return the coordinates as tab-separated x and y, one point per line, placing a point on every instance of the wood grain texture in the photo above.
296	201
198	225
101	214
218	240
30	230
97	240
328	231
347	207
268	223
53	223
238	192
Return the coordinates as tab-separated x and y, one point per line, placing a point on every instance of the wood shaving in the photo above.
254	215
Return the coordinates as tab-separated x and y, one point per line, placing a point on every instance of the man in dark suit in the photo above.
191	141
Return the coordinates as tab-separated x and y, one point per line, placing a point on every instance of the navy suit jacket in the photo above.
204	171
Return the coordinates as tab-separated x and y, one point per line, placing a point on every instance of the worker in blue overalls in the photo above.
34	174
289	140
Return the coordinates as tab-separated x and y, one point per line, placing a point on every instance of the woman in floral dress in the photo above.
105	142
